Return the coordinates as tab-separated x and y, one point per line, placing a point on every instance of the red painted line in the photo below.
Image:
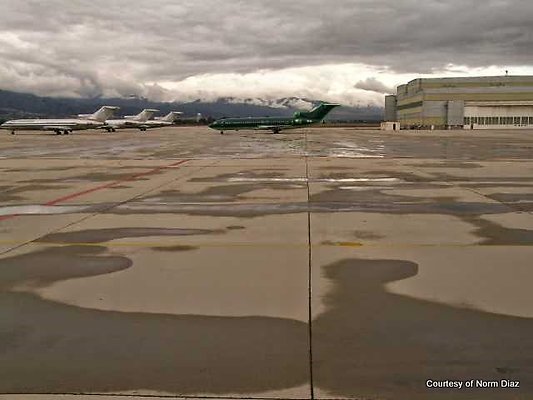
111	184
97	188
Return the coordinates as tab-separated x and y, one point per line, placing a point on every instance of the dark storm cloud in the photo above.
98	46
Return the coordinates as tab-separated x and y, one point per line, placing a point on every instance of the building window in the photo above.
516	120
467	120
524	120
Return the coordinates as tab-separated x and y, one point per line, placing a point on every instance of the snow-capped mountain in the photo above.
232	106
286	102
14	104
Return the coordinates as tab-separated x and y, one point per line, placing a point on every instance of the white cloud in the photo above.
205	48
350	84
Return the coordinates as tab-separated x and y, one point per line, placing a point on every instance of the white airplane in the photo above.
159	122
65	126
130	121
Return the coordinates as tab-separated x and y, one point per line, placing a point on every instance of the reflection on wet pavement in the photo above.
380	345
38	209
49	347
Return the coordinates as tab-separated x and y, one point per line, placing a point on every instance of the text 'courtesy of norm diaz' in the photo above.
472	384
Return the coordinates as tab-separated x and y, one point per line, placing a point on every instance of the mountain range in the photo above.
24	105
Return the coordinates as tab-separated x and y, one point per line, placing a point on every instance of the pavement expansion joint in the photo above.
310	276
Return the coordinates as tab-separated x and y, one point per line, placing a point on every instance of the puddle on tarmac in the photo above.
40	210
315	180
370	343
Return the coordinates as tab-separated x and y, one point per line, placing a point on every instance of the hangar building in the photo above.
496	102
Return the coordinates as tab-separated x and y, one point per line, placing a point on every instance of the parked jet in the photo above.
65	126
275	124
132	121
159	122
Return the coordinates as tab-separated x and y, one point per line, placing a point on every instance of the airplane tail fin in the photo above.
102	114
171	116
319	112
145	115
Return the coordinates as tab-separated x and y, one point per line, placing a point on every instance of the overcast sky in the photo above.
352	51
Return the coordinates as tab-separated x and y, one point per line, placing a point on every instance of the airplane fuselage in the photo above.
123	124
61	125
142	121
267	123
275	124
50	124
155	123
130	122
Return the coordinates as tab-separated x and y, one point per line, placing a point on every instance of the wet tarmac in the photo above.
323	263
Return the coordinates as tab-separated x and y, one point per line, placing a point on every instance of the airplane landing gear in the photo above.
221	132
12	132
66	132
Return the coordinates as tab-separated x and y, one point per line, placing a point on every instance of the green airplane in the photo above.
275	124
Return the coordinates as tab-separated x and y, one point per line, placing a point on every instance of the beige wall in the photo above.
429	98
